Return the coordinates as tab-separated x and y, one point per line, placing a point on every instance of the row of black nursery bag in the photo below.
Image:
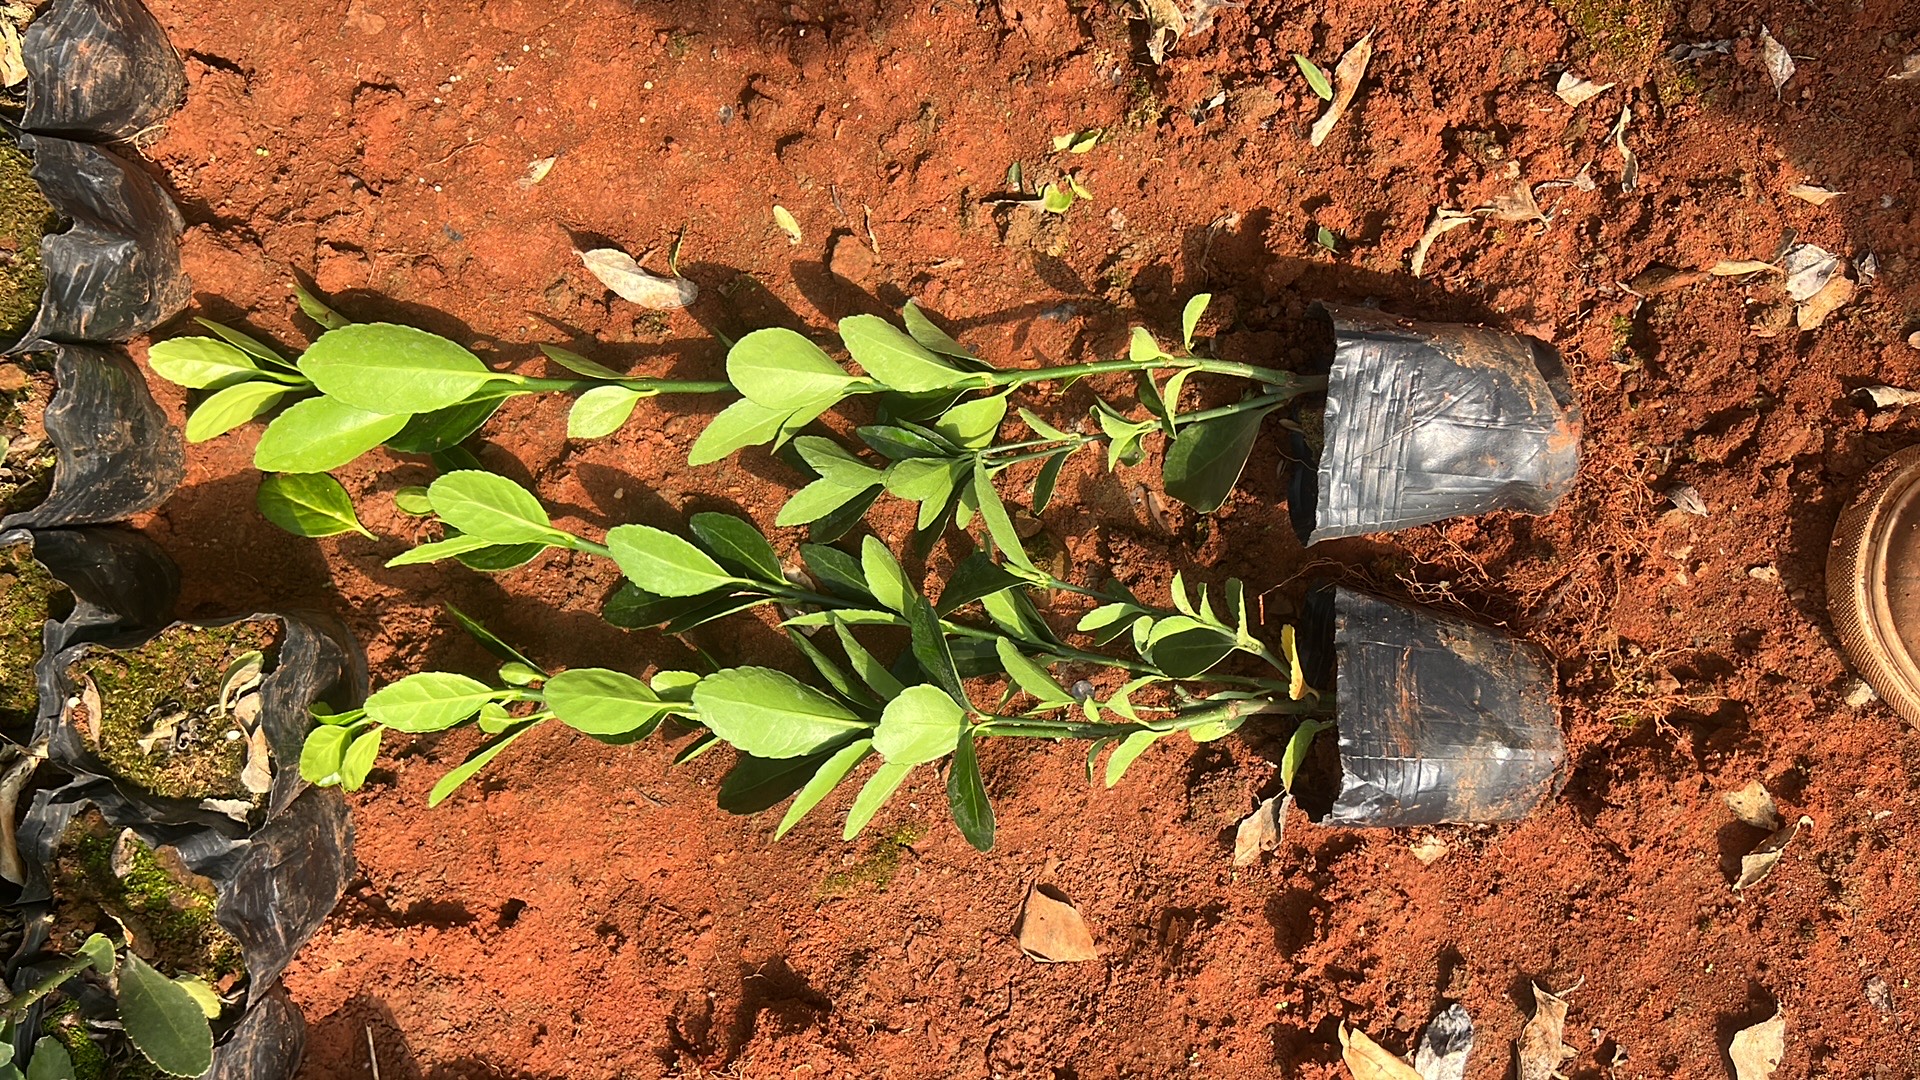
101	73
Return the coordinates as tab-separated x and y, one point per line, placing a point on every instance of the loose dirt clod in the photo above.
1753	805
1051	929
1756	1051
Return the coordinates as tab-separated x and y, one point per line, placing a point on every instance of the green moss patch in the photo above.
1621	37
26	455
104	878
166	694
875	869
30	594
25	217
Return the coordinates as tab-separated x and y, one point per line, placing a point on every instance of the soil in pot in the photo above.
27	455
179	715
33	596
25	217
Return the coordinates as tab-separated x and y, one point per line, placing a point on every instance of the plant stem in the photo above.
529	384
1229	710
1263	401
1272	376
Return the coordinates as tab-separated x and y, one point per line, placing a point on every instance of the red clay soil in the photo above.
586	912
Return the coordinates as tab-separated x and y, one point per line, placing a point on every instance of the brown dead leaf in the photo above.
1542	1041
1909	70
257	775
1753	805
1051	930
1738	267
1661	278
90	701
1814	193
1758	863
619	272
1347	76
1261	831
1837	293
1444	219
1756	1051
1515	205
1368	1060
1576	89
1776	58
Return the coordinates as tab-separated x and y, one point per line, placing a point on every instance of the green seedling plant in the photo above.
362	385
167	1020
940	445
798	740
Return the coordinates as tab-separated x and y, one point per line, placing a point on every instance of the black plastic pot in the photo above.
116	453
123	586
115	273
1440	720
99	70
1427	421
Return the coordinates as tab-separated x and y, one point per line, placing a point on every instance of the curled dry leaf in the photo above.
1660	278
1629	164
257	775
1837	293
1686	497
1753	805
14	781
1879	995
1515	205
1347	76
1808	268
617	271
536	172
1445	1045
784	218
1368	1060
90	701
1542	1041
1051	930
1814	193
1909	70
1443	220
1756	1051
1887	397
1576	89
1261	831
1757	864
1777	60
1737	267
1167	22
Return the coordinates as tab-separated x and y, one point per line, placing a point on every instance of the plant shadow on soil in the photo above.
366	1026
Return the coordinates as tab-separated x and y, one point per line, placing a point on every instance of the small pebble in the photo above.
1913	339
234	736
1859	695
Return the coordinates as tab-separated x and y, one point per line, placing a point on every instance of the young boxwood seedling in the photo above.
166	1020
362	385
800	740
947	463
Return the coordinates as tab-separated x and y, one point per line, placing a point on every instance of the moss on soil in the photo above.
168	911
25	217
26	456
875	870
29	592
65	1023
1623	36
176	675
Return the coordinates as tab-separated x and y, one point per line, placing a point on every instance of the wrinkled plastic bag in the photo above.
123	585
115	273
116	453
1440	720
99	70
1427	421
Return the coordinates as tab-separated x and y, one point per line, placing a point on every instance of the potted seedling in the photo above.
93	70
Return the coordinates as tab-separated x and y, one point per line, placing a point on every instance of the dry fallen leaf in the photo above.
1757	864
90	701
617	271
1542	1041
1888	397
1737	267
1778	62
1756	1051
1660	278
536	172
1808	268
1814	193
1445	1045
1575	89
1346	82
1686	497
1837	293
1515	205
1429	849
257	775
1051	930
1167	23
784	218
1368	1060
1753	805
13	69
1261	831
1909	70
1879	995
1629	164
1443	220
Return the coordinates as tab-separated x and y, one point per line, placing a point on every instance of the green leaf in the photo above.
1325	238
427	701
878	789
197	362
1316	79
999	522
98	948
1044	483
494	718
839	572
817	500
838	523
392	368
896	361
227	409
870	670
489	641
493	508
476	761
1031	676
318	311
770	714
741	424
1055	199
1106	616
1129	749
1206	459
433	551
1297	746
736	545
596	701
433	432
930	647
925	480
901	444
931	337
319	434
494	558
203	994
578	364
1142	349
1190	318
920	725
755	784
1215	729
780	369
308	504
967	795
1042	428
975	577
884	577
601	411
834	770
836	676
1123	435
322	753
358	760
248	344
414	501
50	1060
163	1021
973	424
664	564
834	463
1183	648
